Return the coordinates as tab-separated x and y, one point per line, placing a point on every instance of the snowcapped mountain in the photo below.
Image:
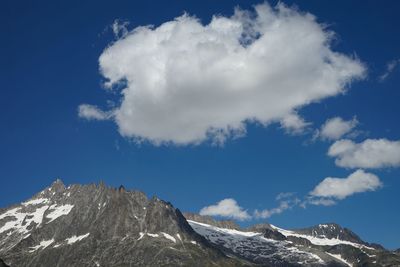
268	245
95	225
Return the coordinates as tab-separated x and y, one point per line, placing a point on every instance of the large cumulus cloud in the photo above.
185	82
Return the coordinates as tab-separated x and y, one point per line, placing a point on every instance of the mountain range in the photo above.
96	225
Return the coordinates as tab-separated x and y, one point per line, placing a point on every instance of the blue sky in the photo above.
50	67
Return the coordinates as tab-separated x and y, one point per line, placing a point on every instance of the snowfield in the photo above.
254	246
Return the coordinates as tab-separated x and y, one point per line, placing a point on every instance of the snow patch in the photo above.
21	220
179	236
152	235
339	257
43	244
35	201
57	211
170	237
75	238
141	235
320	241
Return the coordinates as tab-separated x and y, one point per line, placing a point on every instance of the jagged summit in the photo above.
330	230
58	185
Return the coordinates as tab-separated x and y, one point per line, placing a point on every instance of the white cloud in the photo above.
371	153
294	124
319	201
266	213
390	66
91	112
286	201
336	127
186	82
226	208
340	188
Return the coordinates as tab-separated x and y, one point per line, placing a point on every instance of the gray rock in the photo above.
2	264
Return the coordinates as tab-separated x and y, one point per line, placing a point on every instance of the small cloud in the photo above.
371	153
284	195
294	124
286	201
340	188
317	201
336	128
266	213
91	112
390	67
228	208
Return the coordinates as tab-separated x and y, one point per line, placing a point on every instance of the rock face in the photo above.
95	225
2	264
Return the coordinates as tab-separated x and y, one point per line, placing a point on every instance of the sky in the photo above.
282	112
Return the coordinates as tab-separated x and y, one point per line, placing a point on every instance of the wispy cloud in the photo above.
91	112
294	124
335	128
390	67
286	201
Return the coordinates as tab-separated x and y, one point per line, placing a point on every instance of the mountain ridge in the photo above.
97	225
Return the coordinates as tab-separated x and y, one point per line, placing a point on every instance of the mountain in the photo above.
96	225
268	245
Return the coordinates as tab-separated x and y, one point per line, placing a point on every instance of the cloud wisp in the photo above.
294	124
390	67
335	128
369	154
286	201
185	82
90	112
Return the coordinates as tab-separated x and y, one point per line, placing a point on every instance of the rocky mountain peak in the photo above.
96	225
331	230
58	185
